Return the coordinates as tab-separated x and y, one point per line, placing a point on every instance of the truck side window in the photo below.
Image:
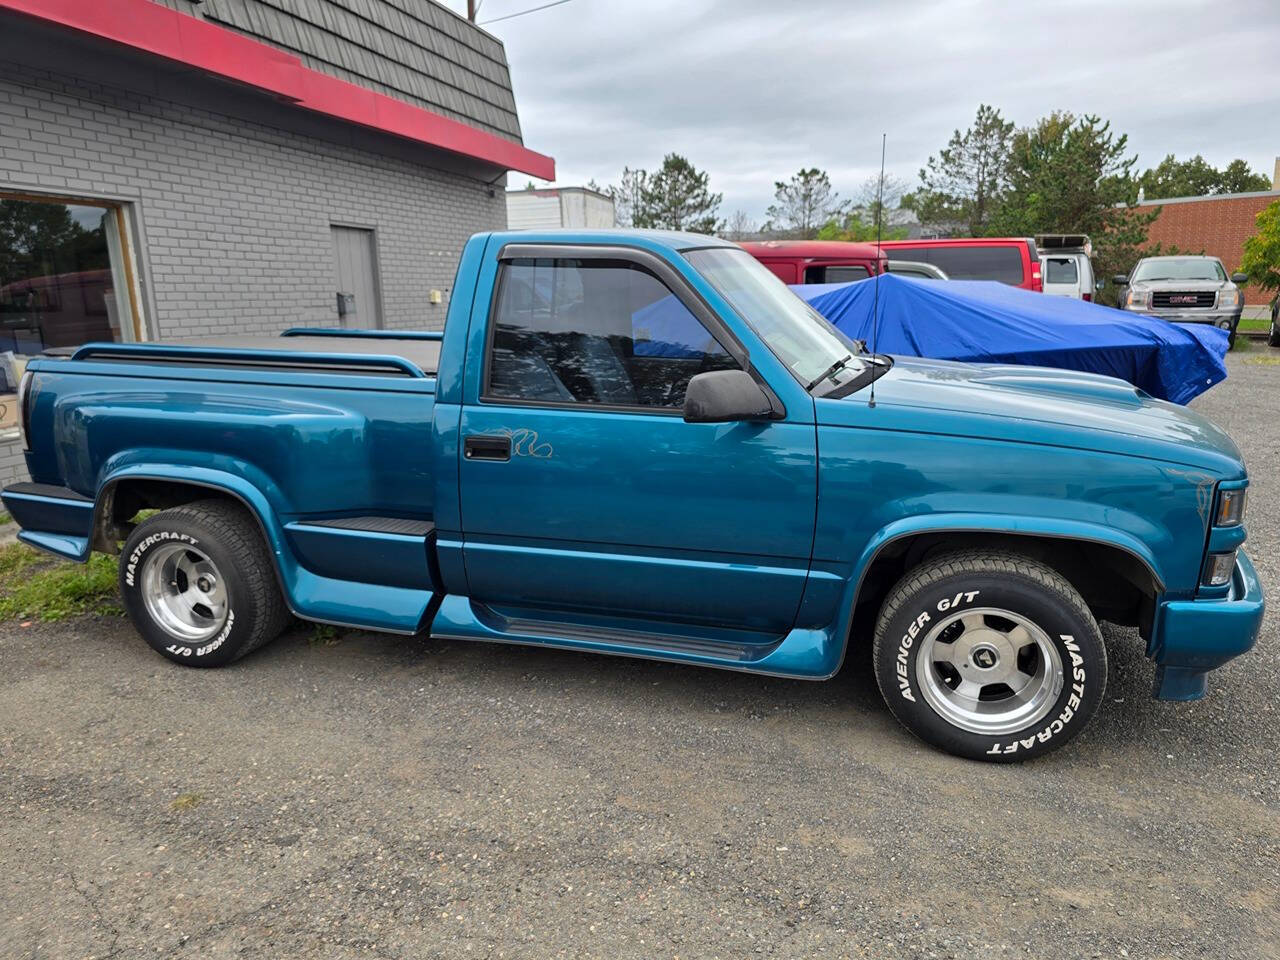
836	274
1002	263
594	331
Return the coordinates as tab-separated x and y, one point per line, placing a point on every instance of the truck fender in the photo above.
249	495
1042	527
960	523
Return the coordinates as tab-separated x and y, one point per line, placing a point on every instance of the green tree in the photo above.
853	227
1198	178
803	204
1066	175
1071	175
1262	251
962	186
676	197
1172	177
1238	178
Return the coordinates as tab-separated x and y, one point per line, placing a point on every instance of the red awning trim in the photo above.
149	28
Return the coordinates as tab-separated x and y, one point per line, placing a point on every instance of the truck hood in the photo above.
1187	285
1037	405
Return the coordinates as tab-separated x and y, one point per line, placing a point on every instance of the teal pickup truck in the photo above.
643	444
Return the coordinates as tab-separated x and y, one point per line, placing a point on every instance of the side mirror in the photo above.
723	396
1120	280
1239	278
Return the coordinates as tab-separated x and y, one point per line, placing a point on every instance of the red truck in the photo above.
819	261
1011	260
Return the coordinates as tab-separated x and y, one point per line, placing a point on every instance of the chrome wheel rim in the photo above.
184	592
989	671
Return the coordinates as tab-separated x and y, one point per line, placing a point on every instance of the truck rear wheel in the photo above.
989	655
198	584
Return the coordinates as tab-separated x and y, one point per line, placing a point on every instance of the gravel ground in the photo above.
378	797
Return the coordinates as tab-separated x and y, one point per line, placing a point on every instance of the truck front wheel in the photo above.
989	655
198	584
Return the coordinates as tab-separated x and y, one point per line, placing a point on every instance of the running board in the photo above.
802	653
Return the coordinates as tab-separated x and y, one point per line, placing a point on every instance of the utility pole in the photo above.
471	10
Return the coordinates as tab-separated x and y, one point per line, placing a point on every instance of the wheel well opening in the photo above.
118	513
1117	586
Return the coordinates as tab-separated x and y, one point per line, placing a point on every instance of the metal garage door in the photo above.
355	264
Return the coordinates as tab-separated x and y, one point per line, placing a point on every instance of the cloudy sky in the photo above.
753	90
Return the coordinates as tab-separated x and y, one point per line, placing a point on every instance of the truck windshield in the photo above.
1184	268
795	332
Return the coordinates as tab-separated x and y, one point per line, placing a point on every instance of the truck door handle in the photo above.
480	447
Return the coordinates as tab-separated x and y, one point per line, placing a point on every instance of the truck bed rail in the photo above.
370	363
340	333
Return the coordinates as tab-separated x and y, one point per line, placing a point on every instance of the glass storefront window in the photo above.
61	283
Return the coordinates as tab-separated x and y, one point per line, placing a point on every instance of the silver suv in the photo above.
1185	290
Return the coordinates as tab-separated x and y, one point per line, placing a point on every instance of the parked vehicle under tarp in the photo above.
986	322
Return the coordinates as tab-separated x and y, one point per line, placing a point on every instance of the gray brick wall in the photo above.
13	466
235	215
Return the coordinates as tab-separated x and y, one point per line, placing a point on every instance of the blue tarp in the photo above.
987	322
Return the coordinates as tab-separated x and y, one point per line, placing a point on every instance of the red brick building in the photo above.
1217	226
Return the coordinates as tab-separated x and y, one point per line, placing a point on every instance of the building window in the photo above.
63	282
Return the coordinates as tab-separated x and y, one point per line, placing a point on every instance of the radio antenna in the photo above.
875	302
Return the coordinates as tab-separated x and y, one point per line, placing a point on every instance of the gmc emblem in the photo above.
1183	298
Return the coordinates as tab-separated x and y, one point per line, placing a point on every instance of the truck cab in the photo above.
644	444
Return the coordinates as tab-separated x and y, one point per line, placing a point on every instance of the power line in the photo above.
510	16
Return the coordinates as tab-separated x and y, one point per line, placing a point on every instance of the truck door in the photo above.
582	488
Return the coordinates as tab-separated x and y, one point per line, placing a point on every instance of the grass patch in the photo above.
33	584
1263	361
324	635
1254	323
186	801
5	518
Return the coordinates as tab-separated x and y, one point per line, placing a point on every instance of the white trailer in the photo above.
559	207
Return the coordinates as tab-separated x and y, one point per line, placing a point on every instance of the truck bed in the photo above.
325	435
406	353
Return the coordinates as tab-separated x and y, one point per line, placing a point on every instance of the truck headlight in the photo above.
1137	299
1230	512
1229	298
1217	572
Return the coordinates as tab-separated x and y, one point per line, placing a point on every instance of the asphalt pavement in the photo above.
383	797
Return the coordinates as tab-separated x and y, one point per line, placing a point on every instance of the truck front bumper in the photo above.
1225	320
1192	637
